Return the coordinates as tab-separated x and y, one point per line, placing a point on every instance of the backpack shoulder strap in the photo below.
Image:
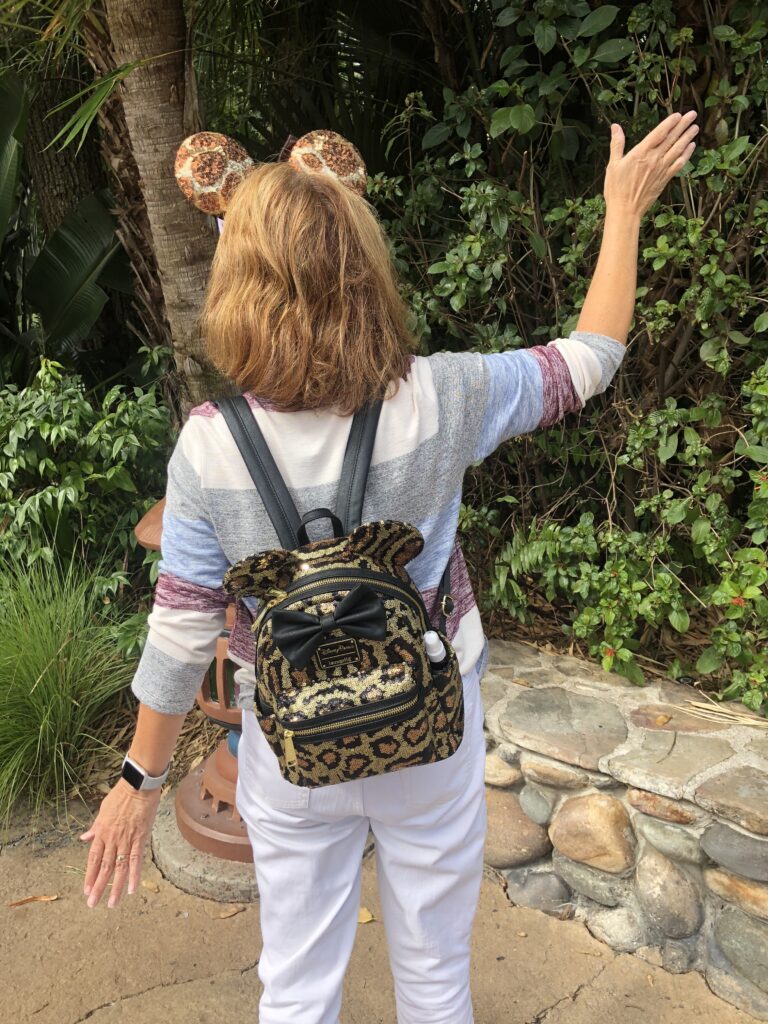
357	461
258	459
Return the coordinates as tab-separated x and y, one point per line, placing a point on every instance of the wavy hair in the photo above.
303	308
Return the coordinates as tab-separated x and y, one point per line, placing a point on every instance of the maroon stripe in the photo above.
241	639
559	395
181	595
461	592
206	409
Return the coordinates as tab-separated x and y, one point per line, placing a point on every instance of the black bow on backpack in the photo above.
297	634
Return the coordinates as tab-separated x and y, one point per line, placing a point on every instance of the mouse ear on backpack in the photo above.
257	574
387	541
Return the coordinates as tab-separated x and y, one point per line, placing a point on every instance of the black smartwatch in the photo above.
135	775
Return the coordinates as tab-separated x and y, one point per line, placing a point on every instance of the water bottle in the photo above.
436	651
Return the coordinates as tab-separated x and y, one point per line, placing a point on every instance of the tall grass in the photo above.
60	672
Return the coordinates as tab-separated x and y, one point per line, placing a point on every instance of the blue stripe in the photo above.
515	402
439	532
191	551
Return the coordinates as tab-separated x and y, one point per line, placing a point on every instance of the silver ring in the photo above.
121	856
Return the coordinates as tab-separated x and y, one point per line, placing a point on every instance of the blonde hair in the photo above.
302	307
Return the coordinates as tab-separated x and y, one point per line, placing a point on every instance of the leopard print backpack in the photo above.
345	688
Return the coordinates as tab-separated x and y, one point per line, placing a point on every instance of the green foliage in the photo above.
643	521
51	294
60	672
77	473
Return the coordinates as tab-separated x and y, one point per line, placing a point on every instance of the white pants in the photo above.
429	828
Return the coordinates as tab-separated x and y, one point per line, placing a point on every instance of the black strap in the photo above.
445	603
258	459
319	513
357	461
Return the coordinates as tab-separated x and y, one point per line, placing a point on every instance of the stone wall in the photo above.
614	804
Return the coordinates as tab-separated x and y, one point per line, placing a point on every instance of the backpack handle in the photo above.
318	513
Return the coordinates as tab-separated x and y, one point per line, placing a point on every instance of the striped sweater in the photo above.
450	410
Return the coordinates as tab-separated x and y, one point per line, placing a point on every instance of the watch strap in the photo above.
139	778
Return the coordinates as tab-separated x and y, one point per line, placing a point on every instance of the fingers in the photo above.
103	875
660	132
680	135
617	142
682	143
660	136
119	879
93	865
134	871
683	159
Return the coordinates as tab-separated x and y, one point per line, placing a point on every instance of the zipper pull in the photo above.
288	747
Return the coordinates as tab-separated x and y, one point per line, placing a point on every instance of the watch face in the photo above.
132	775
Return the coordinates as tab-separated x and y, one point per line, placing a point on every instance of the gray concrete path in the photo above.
165	957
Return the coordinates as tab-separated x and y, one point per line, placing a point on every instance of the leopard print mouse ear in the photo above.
256	575
208	168
387	541
327	152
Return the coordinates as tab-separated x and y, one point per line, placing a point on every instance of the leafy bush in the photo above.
60	672
76	474
643	520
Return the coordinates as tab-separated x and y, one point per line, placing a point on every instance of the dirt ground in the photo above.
165	957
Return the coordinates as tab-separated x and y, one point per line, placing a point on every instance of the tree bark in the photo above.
183	238
60	179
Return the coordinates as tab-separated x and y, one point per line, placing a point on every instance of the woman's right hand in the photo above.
121	828
633	182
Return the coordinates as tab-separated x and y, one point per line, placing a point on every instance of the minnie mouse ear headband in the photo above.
209	166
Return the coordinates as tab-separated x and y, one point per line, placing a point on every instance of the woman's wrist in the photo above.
623	214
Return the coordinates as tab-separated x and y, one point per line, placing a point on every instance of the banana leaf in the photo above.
62	284
13	107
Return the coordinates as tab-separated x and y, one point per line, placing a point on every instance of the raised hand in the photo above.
635	180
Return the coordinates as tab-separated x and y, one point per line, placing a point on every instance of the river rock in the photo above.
511	653
667	895
620	928
552	773
677	843
732	987
540	890
740	794
512	838
594	829
603	888
745	855
492	690
499	772
666	762
745	944
750	896
537	803
677	811
678	956
567	726
670	718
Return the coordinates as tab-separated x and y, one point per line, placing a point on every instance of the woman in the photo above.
303	312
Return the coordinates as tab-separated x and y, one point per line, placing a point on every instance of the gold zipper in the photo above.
385	585
288	734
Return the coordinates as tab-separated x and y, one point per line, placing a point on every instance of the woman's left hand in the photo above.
118	836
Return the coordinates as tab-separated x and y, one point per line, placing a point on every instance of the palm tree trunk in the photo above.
183	239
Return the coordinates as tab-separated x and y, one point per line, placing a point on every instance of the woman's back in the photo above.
449	410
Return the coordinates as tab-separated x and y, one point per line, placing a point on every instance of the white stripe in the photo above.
583	366
308	446
185	635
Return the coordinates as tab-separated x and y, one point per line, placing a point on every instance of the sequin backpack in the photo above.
345	688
